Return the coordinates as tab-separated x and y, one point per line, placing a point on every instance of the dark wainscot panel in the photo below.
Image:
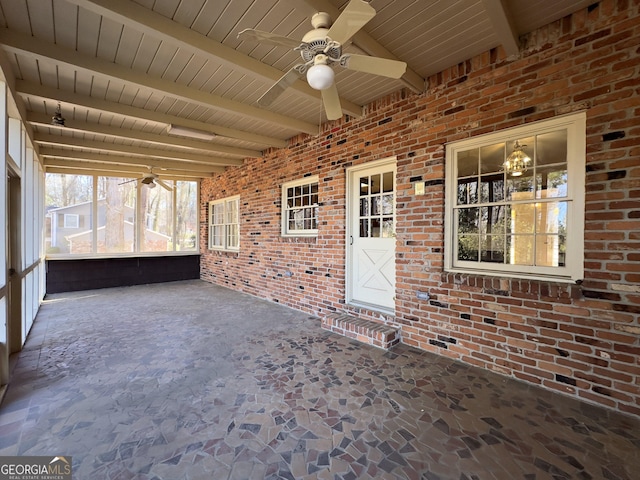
70	275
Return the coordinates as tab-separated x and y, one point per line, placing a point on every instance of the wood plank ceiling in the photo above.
122	71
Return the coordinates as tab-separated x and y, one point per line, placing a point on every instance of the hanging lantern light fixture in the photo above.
518	161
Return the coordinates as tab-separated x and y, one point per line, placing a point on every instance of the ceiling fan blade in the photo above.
375	65
128	181
164	184
355	16
331	101
270	38
279	87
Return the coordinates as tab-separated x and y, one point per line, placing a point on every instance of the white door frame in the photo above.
352	230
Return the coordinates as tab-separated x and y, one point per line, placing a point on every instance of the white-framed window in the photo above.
224	224
71	220
509	222
300	207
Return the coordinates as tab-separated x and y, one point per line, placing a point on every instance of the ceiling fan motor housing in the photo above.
315	41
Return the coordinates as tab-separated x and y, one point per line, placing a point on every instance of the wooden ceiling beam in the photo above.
69	141
31	46
53	163
57	95
152	23
44	120
503	25
49	153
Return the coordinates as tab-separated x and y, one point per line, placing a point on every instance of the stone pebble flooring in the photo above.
192	381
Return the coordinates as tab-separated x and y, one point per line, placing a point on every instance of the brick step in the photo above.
367	331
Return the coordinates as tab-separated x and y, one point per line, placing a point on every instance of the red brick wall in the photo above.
582	340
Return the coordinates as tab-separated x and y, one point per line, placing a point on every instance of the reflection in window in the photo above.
513	220
377	205
224	224
300	207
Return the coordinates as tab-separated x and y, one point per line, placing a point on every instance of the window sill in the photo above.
512	275
120	255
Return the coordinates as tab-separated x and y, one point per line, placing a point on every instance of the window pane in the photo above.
521	250
298	216
551	218
468	247
387	204
493	219
375	205
232	211
551	182
364	228
550	250
467	220
375	184
375	227
492	188
157	212
232	236
116	212
551	148
492	248
467	191
68	196
364	185
520	188
187	216
468	163
387	227
492	158
218	213
522	218
364	207
387	182
217	236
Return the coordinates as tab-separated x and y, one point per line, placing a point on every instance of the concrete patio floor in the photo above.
189	380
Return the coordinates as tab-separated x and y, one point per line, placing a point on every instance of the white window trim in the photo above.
285	232
576	158
223	201
68	217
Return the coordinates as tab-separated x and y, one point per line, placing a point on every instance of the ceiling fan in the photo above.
321	48
151	180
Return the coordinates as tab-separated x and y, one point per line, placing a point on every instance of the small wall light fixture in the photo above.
58	119
517	162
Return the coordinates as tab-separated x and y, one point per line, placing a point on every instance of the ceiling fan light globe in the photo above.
151	185
320	77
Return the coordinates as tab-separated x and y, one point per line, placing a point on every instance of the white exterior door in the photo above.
371	206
